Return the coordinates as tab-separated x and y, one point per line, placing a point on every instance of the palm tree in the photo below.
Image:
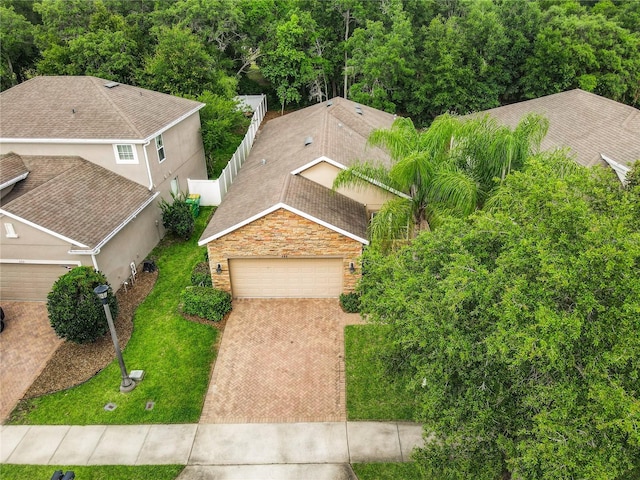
450	168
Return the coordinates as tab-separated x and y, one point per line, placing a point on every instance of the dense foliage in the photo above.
519	328
177	216
422	57
450	168
350	302
206	302
201	275
75	312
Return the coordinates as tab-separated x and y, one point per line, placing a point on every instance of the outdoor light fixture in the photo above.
352	267
127	384
219	269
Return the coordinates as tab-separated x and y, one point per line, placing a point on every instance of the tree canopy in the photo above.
519	328
450	168
417	57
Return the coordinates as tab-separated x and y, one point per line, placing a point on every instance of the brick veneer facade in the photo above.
283	234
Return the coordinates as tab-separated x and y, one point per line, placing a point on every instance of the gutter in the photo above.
96	250
13	181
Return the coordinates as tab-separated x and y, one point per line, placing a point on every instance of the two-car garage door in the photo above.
286	277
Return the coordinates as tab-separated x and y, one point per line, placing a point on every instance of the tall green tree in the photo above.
518	327
17	49
181	65
451	167
381	60
288	62
584	51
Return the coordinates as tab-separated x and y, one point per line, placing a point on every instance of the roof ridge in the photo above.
285	188
122	115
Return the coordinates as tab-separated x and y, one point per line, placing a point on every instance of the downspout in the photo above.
95	261
146	159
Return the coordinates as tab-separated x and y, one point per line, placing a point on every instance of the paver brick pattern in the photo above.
26	344
280	360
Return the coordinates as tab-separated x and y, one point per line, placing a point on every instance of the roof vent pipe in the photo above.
308	141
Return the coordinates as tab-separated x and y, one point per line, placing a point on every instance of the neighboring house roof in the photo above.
74	199
85	108
13	170
590	125
265	182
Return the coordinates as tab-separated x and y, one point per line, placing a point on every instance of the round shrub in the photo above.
206	302
75	312
201	275
350	302
177	216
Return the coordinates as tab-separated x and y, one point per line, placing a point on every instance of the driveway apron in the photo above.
280	360
26	344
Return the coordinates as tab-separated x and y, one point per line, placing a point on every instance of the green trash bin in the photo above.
194	201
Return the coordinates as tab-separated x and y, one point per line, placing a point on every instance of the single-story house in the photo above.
84	163
282	231
596	130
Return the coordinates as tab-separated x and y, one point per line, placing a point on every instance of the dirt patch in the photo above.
73	364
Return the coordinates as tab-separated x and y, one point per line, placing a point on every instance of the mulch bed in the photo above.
73	364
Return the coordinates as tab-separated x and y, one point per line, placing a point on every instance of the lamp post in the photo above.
127	384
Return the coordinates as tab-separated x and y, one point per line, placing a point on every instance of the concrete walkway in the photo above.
221	451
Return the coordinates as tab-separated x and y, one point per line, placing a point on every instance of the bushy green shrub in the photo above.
177	216
201	275
75	312
206	302
350	302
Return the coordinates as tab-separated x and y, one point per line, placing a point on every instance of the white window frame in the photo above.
125	161
160	148
10	231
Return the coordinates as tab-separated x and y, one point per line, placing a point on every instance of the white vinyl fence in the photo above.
213	191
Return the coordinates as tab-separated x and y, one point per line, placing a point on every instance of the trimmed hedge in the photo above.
201	275
350	302
206	302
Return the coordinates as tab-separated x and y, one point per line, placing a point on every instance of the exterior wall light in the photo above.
352	267
218	269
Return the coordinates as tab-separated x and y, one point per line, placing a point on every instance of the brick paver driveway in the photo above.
280	361
26	344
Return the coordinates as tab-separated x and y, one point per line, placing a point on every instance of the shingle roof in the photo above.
588	124
338	132
51	107
12	168
74	198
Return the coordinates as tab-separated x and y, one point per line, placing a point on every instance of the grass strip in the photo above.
371	393
387	471
99	472
175	354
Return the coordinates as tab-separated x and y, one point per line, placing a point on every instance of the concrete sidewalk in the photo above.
285	449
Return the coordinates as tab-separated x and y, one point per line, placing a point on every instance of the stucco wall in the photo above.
372	197
283	234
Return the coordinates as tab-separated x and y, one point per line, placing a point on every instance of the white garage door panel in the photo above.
286	277
28	282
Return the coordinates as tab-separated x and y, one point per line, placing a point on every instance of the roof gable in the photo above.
74	199
83	108
590	125
339	133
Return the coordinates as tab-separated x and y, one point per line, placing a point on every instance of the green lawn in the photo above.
387	471
101	472
372	395
175	354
